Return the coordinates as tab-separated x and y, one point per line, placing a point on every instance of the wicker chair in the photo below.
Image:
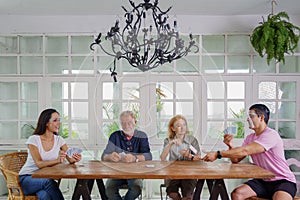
10	165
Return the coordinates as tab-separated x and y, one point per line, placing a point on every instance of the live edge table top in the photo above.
95	169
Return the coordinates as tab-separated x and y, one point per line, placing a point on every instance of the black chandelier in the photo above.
143	47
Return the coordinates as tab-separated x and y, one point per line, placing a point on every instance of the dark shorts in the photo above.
266	189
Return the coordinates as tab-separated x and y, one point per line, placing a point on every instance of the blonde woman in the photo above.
177	146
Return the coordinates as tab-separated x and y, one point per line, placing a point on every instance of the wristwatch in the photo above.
136	158
219	156
192	158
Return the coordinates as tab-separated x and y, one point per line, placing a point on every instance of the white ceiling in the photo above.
179	7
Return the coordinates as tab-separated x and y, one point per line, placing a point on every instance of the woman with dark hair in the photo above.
45	149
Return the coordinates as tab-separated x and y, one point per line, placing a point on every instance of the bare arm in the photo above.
236	154
166	151
38	159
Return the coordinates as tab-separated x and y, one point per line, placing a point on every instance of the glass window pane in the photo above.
287	110
108	128
184	90
267	90
29	90
31	65
82	65
213	64
165	90
185	108
81	44
64	130
131	91
188	64
166	111
236	90
9	91
9	110
215	90
109	91
79	90
9	127
215	110
79	110
260	65
29	110
8	65
59	90
104	63
79	131
57	65
287	90
239	43
162	128
27	129
8	44
108	110
166	67
235	109
238	64
213	43
214	130
291	65
130	105
62	108
57	44
287	129
31	44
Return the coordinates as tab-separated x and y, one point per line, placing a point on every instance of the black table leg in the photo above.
218	188
81	189
198	189
101	189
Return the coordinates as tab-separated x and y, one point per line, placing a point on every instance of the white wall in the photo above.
13	24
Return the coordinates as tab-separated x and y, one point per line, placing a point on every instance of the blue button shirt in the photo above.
137	145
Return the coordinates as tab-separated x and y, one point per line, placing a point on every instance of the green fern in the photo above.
275	37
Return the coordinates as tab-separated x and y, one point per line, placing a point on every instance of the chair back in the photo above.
10	165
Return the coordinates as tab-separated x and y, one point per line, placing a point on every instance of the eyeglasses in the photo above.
129	146
251	115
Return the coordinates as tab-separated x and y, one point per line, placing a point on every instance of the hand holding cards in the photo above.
71	151
231	130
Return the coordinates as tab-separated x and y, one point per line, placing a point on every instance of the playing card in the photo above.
71	151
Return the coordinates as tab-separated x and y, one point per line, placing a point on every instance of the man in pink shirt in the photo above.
266	150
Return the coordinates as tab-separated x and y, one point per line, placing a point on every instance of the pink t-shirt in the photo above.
273	158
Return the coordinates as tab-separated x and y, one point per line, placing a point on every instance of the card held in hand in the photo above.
71	151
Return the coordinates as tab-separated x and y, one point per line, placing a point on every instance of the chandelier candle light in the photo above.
144	47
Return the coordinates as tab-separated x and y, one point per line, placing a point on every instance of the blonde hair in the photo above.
171	133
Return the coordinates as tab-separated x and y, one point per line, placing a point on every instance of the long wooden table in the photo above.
213	172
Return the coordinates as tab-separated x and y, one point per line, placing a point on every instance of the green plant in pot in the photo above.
275	37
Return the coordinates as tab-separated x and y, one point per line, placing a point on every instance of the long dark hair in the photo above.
44	118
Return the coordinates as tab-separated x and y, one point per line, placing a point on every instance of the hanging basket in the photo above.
275	37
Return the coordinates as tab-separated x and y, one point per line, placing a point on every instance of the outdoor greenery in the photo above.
275	37
239	124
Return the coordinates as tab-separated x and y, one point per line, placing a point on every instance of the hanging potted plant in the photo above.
275	37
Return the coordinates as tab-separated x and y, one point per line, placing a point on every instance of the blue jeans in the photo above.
134	188
44	188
